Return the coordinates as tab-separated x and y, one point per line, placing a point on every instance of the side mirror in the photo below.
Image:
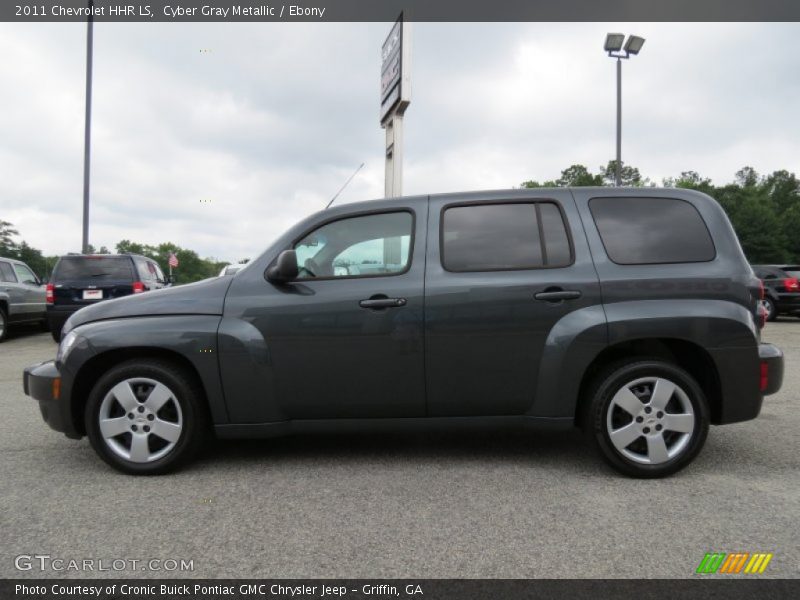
285	268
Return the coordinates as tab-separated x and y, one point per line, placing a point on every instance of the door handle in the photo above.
382	303
557	295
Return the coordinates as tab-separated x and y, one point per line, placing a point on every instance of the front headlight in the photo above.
65	346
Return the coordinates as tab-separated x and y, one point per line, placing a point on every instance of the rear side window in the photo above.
639	231
504	237
7	273
25	275
159	274
94	267
145	269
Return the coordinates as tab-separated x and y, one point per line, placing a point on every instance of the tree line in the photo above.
764	209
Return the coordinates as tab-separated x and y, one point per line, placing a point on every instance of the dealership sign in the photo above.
395	70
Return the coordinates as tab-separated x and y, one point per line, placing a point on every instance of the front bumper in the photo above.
42	382
771	360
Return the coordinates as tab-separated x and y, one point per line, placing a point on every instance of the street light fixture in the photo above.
618	48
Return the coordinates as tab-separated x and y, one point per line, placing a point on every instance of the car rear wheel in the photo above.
146	417
648	419
3	324
769	308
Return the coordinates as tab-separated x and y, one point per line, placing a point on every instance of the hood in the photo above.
205	297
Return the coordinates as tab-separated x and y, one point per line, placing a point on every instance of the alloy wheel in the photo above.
650	420
140	419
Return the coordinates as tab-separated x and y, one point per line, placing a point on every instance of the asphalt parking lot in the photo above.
456	505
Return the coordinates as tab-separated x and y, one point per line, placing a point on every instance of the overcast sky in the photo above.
221	150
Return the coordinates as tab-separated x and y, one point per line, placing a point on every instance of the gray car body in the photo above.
23	302
274	358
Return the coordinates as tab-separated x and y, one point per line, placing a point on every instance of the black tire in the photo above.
628	460
3	324
772	312
186	393
56	335
44	325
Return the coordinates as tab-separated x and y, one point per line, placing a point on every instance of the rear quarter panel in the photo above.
707	303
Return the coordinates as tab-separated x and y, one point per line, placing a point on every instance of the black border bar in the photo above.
387	10
730	588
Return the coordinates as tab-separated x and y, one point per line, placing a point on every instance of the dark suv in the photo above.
781	289
80	280
631	313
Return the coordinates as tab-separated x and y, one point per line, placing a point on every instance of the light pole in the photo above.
87	132
618	48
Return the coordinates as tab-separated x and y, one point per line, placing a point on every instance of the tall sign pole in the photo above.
87	134
395	98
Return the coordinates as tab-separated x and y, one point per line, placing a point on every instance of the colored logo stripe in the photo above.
758	563
711	562
734	562
721	562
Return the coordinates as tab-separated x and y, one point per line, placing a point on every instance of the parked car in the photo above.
21	296
631	313
781	289
80	280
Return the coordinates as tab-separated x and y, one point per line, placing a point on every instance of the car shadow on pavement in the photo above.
563	450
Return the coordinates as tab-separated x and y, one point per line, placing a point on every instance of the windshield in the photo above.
94	267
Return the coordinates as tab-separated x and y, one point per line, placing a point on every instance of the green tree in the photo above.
532	183
759	230
578	175
791	226
629	176
747	177
691	180
8	246
784	189
128	247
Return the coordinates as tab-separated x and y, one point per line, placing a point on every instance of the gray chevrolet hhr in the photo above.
631	313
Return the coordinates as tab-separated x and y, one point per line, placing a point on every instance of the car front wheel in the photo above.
146	417
648	419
